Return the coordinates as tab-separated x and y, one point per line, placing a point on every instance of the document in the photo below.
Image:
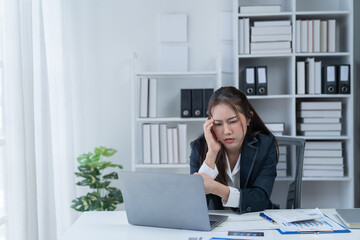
314	221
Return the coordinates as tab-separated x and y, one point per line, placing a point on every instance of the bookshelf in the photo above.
282	95
169	85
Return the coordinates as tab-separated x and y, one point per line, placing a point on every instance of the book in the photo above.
144	97
163	144
319	120
322	173
322	153
271	38
282	150
271	51
259	9
300	77
323	160
323	145
310	36
316	35
310	75
323	36
321	133
276	127
175	142
331	35
317	73
152	97
320	105
272	23
271	30
270	45
182	142
350	217
170	146
146	144
298	36
319	113
246	35
155	143
319	126
338	167
241	37
281	165
303	34
281	172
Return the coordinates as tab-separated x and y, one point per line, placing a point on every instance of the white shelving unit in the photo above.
280	103
168	109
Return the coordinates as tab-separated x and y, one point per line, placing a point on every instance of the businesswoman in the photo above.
236	156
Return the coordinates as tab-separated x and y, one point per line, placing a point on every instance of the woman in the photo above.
236	155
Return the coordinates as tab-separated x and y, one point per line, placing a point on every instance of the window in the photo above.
3	216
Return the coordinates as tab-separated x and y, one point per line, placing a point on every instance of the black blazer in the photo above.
257	173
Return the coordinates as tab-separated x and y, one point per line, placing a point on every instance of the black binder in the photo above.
207	93
343	79
247	85
329	79
197	103
261	81
185	103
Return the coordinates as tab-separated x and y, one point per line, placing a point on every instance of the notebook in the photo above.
350	217
167	200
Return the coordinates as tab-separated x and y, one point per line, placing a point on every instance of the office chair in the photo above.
294	192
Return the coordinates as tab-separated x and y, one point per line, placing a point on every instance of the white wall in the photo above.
100	37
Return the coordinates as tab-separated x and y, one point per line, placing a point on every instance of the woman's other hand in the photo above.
214	145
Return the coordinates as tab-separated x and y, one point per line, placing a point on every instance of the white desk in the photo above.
114	226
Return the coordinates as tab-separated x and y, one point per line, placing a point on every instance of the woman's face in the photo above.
229	127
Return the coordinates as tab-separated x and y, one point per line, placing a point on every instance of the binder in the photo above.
207	93
248	83
185	103
197	103
261	80
329	79
343	79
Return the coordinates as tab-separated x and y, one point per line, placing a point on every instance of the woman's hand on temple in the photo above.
214	145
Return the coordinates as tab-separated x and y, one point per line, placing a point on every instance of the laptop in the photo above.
167	200
350	217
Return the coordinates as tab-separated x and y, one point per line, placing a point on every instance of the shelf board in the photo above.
177	165
269	14
322	13
323	96
170	119
337	179
323	54
269	96
176	74
281	55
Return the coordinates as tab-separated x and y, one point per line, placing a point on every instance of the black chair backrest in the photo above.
294	193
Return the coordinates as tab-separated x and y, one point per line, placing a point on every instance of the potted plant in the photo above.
102	197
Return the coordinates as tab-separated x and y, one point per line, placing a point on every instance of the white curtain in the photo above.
38	115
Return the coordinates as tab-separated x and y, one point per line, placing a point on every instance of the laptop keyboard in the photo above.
212	222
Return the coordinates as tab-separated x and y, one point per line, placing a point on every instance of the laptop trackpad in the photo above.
216	220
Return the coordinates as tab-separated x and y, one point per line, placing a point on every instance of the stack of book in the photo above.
276	128
323	159
148	91
308	77
315	35
281	167
269	37
319	118
163	145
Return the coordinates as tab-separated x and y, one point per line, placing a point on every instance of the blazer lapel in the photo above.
248	156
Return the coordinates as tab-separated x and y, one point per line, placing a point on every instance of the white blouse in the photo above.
233	181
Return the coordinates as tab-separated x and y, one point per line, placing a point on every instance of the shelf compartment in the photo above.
279	73
285	5
323	5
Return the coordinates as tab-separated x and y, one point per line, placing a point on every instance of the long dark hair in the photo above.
239	103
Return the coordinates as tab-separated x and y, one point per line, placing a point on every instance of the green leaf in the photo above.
112	175
84	159
109	152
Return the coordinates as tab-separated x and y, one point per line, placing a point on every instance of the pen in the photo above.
267	218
